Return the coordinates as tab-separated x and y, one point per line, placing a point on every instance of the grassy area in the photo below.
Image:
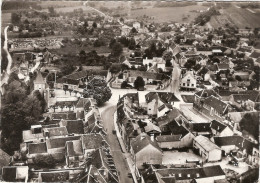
238	17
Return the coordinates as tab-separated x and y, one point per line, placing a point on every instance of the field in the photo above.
236	16
171	14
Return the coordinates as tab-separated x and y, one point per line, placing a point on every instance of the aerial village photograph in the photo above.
129	91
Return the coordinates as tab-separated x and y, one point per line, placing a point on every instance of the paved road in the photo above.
119	159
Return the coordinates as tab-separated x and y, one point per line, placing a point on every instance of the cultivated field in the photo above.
236	16
171	14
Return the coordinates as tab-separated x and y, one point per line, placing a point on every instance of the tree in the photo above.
44	161
94	25
98	89
121	19
139	82
15	18
117	49
132	44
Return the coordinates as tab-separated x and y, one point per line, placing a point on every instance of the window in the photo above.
76	158
188	80
188	84
197	174
192	84
183	84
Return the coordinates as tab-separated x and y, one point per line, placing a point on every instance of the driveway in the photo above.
119	159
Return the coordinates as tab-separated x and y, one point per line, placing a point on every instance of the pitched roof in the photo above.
64	115
77	75
206	93
165	97
141	141
39	78
205	143
189	173
144	74
218	126
168	138
223	66
59	176
37	148
93	141
239	141
73	126
216	104
152	127
255	54
56	131
199	127
74	148
59	142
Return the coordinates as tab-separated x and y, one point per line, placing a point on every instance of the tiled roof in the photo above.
165	97
141	141
93	141
168	138
74	148
238	141
255	54
144	74
73	126
216	104
223	66
206	93
218	126
37	148
199	127
59	176
206	143
59	142
190	173
77	75
56	131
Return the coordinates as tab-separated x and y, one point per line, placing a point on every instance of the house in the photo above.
174	136
202	128
214	108
54	176
148	77
93	122
222	67
74	153
92	142
73	126
235	143
145	150
207	149
208	174
102	160
15	173
245	99
188	82
158	103
255	55
220	129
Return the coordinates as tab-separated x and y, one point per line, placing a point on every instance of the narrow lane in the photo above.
119	159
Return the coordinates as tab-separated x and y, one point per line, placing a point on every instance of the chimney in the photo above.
46	134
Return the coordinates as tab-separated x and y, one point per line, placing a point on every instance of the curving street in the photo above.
119	158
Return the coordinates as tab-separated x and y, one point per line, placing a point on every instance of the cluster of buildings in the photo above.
156	125
64	147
